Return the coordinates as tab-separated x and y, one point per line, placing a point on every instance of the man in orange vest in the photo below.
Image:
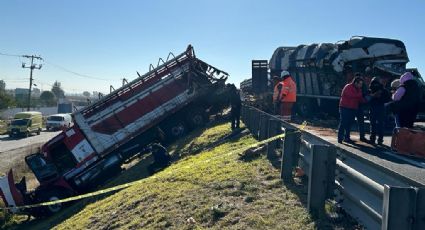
285	94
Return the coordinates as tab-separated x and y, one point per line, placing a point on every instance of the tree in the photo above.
6	100
86	94
48	98
57	90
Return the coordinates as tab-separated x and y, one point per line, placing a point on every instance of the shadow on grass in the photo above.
180	150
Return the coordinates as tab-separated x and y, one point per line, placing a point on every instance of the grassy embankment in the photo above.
211	189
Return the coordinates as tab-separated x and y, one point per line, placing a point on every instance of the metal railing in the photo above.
375	196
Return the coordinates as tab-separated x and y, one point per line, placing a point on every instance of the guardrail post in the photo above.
243	114
290	154
255	123
264	126
275	128
420	210
399	207
249	114
321	178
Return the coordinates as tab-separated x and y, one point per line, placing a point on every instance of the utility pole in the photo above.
31	67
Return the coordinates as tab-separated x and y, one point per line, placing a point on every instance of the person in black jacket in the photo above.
377	110
236	104
406	100
161	157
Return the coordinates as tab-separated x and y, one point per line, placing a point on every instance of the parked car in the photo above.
58	121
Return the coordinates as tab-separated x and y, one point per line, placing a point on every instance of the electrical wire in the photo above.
75	73
10	55
60	67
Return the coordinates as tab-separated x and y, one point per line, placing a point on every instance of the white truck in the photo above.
58	121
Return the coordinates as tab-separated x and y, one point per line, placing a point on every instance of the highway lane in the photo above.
14	150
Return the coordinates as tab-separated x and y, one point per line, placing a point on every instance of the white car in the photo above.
58	121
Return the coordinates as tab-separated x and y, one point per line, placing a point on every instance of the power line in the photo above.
10	55
75	73
60	67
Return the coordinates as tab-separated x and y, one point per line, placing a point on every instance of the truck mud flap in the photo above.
12	197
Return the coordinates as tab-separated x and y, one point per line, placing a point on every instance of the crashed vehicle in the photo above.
322	70
176	96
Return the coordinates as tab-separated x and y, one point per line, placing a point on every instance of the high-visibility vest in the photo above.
289	90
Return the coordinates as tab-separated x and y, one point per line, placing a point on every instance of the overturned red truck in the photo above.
174	97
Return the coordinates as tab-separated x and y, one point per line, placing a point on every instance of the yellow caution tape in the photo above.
126	185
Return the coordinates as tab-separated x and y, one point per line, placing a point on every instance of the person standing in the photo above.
236	104
286	94
406	100
394	86
377	110
351	97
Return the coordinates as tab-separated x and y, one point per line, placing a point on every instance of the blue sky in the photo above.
114	39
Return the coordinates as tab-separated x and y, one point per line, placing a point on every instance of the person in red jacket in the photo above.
351	98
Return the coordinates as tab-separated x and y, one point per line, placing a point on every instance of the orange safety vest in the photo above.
289	90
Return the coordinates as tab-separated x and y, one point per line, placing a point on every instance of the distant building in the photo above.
21	91
36	92
21	94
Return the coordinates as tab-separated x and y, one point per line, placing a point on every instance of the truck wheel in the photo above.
196	119
52	195
305	107
38	132
175	130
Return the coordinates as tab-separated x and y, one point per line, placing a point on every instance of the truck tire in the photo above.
38	131
306	107
174	130
196	118
49	195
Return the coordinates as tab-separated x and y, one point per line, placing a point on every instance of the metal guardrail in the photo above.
375	196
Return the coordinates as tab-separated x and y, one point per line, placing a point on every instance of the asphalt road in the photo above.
409	167
13	150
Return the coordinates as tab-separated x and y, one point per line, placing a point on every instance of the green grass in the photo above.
212	189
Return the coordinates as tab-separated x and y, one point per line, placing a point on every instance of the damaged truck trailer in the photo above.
321	70
176	96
